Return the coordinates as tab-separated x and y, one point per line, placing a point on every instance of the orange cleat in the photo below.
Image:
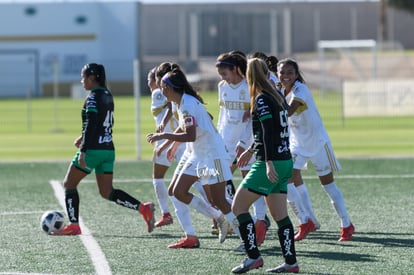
304	230
147	212
69	230
346	233
260	227
186	242
165	219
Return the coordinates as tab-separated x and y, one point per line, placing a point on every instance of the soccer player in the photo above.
164	118
269	174
309	141
97	152
234	124
205	157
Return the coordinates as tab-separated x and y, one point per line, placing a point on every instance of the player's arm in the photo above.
293	106
167	116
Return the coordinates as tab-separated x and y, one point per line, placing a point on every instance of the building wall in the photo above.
34	37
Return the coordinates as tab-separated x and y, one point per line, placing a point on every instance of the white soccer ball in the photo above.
52	221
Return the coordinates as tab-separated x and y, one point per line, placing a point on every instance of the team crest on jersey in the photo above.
243	95
158	97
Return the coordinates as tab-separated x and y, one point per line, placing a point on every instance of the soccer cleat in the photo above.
247	265
165	219
260	227
240	248
69	230
285	268
147	212
186	242
346	233
223	226
304	230
215	230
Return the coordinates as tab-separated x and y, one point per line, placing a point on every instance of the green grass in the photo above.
378	194
42	129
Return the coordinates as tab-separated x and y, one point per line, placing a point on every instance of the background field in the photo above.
36	146
378	194
43	129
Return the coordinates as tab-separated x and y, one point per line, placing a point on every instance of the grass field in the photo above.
378	193
377	183
42	129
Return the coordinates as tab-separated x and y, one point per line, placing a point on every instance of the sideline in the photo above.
97	256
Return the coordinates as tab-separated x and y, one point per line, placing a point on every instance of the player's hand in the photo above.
81	160
78	142
244	158
271	172
246	116
153	137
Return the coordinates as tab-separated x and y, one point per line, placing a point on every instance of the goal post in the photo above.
342	46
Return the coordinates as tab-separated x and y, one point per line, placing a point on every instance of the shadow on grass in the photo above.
388	239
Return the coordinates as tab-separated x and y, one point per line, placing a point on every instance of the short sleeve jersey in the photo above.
234	101
97	120
270	129
208	143
158	110
307	132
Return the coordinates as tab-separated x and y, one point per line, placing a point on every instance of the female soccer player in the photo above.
97	152
205	157
269	175
234	123
162	112
309	141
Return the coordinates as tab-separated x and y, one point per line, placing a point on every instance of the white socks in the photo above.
204	208
162	194
338	203
294	199
259	207
306	201
183	214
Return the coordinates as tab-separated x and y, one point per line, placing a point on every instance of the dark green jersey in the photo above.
97	120
270	129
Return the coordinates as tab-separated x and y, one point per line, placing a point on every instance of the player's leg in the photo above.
325	164
161	193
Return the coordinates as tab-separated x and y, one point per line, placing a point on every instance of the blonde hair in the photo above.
257	76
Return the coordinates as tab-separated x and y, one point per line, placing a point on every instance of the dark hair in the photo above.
294	64
177	80
97	70
166	67
231	60
151	74
271	61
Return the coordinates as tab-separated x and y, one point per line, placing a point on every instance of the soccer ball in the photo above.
52	221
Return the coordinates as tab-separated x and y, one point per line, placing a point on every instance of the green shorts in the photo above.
100	160
256	180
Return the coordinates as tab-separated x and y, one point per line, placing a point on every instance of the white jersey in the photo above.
234	101
158	110
307	132
208	144
273	78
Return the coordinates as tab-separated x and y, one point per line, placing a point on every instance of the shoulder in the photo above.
222	84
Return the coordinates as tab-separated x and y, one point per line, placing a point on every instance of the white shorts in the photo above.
324	161
210	171
162	159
